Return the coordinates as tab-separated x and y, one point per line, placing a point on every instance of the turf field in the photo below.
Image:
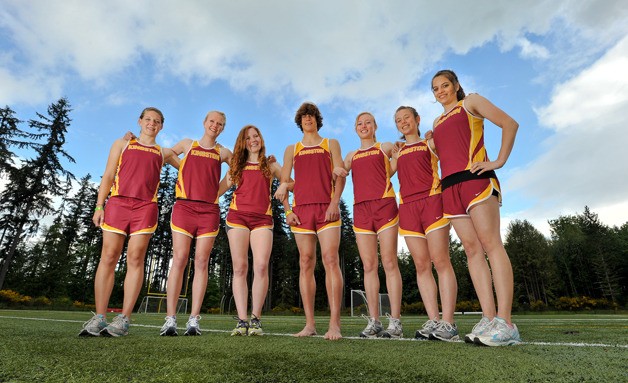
43	346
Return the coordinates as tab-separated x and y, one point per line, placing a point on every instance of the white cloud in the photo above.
531	50
28	88
321	50
585	160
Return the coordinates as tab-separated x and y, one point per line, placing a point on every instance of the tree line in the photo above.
583	263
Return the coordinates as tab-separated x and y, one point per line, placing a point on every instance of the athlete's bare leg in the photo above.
306	243
112	245
478	267
438	245
180	254
367	246
239	247
329	240
390	262
261	246
135	255
486	220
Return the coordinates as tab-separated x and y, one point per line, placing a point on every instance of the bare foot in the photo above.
307	331
333	334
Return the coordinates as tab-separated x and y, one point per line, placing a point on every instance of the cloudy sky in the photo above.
560	68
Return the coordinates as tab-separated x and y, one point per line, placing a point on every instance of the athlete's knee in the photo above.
135	260
179	260
260	269
473	248
240	269
109	257
330	259
492	244
307	261
442	263
390	264
423	266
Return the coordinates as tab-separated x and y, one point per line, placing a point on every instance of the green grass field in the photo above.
43	346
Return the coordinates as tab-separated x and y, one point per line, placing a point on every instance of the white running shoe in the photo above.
445	331
170	327
478	329
192	328
118	327
373	328
94	326
394	330
499	334
426	330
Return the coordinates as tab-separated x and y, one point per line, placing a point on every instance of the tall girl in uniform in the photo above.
471	199
423	226
315	214
250	221
131	181
375	217
195	215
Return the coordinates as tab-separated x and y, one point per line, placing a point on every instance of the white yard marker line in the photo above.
564	344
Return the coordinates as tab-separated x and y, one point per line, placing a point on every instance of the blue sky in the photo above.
560	68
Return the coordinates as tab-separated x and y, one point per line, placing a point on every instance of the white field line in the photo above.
565	344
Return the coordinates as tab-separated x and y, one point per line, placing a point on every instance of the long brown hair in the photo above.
451	76
241	155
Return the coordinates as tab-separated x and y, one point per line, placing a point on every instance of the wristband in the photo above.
98	207
288	212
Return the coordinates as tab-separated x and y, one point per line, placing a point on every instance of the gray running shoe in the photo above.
118	327
373	328
170	327
394	330
445	331
479	328
192	328
499	334
94	326
426	330
255	327
241	329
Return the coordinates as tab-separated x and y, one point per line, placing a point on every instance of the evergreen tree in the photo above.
85	246
602	251
533	267
9	131
40	179
567	240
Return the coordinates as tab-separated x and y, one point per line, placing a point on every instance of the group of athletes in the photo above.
466	196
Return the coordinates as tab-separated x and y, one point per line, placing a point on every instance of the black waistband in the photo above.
465	175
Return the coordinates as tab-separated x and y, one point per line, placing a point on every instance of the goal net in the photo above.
155	299
359	303
158	304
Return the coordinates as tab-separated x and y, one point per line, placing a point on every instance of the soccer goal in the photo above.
157	304
359	303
